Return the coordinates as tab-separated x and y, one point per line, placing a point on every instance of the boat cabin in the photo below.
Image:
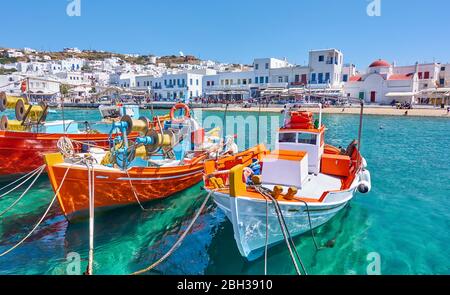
298	151
300	133
310	141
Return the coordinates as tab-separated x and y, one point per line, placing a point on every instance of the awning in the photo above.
400	94
436	90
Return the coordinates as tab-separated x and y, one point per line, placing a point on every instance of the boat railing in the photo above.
86	123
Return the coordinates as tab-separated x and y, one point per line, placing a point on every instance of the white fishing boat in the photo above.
292	190
115	112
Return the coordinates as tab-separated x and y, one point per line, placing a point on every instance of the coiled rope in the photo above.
180	239
43	216
29	175
37	173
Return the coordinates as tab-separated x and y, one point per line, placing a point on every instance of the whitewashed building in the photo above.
325	68
228	85
271	75
39	88
28	50
72	78
14	53
72	50
127	80
444	76
44	88
10	83
385	82
72	64
348	70
172	86
381	84
54	67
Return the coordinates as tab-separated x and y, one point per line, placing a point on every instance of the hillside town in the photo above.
86	76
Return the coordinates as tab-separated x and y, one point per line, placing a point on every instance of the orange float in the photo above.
178	106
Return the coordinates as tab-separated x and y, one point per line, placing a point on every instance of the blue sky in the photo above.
235	31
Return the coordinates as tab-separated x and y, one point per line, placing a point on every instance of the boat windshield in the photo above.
307	138
287	137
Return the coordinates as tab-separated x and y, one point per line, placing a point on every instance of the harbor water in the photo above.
403	223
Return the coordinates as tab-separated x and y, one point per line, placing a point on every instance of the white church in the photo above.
383	84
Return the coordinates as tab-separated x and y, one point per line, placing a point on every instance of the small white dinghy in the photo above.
294	189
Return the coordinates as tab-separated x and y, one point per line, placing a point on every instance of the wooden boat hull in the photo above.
22	152
112	186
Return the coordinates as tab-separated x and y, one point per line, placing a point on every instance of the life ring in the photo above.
187	112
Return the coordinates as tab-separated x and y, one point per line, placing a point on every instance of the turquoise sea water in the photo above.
405	219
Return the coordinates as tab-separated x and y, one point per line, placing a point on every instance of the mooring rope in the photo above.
37	173
91	188
180	239
43	216
286	234
267	237
310	227
136	196
29	175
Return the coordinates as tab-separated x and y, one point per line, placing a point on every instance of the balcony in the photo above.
171	86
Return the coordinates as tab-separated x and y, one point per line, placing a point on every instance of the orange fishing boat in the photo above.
25	140
115	187
155	165
22	152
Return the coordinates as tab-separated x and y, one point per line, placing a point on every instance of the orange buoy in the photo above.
187	112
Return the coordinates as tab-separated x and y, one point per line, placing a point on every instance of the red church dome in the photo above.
379	63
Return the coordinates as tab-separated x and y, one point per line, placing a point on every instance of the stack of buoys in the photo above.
300	120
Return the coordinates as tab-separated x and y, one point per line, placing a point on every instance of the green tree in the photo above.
64	89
